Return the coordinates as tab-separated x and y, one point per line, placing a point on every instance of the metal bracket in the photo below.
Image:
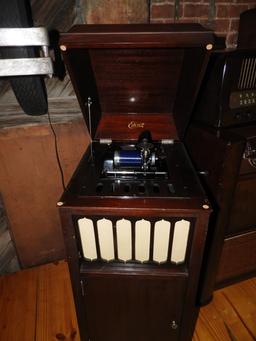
31	36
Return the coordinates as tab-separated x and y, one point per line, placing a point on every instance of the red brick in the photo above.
162	2
234	25
188	20
220	25
230	11
162	11
196	10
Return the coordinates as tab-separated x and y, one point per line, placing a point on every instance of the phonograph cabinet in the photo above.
134	214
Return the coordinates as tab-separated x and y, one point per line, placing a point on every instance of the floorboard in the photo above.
56	319
37	305
18	306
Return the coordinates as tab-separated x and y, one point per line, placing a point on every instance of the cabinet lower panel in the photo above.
238	258
133	308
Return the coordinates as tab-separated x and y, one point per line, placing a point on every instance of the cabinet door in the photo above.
243	213
134	309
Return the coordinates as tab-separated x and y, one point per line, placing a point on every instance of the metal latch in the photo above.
31	36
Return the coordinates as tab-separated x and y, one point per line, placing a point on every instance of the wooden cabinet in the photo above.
221	142
134	215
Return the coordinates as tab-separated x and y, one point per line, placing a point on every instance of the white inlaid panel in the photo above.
124	239
142	240
106	241
87	238
161	240
180	241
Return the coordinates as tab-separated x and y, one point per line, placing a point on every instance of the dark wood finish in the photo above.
138	69
136	81
137	36
128	127
219	141
218	103
247	29
217	155
188	318
162	307
238	258
243	215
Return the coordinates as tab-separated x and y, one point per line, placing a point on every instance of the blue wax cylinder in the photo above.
127	158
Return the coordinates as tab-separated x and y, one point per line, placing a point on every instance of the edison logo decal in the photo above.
134	125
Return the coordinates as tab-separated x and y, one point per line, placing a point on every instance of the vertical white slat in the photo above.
161	240
180	241
87	236
106	240
142	240
124	239
252	73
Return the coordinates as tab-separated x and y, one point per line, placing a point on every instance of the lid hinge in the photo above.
167	141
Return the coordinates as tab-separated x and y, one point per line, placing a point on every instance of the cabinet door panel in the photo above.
136	309
243	213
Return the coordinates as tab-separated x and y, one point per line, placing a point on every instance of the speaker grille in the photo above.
247	77
129	240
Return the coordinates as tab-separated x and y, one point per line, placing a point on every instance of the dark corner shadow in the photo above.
58	65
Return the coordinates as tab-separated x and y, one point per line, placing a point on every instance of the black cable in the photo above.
57	152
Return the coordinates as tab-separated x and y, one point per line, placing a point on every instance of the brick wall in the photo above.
223	17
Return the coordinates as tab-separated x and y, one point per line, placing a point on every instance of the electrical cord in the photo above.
56	151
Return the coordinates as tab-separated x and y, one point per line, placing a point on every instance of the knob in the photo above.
174	325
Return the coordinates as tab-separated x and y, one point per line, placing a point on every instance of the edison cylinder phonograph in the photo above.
134	214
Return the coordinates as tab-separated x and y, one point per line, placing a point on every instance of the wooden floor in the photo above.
37	305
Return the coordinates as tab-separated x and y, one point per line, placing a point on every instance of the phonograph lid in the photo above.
130	78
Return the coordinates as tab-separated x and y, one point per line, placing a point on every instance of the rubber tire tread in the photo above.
30	91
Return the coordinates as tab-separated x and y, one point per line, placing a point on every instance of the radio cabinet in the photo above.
134	214
222	141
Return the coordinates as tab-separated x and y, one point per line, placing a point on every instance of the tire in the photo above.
30	91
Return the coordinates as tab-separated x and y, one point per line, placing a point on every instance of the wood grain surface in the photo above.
37	305
30	182
56	318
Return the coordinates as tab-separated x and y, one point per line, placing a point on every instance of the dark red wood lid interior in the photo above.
138	77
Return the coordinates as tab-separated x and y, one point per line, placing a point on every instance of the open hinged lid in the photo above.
130	78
